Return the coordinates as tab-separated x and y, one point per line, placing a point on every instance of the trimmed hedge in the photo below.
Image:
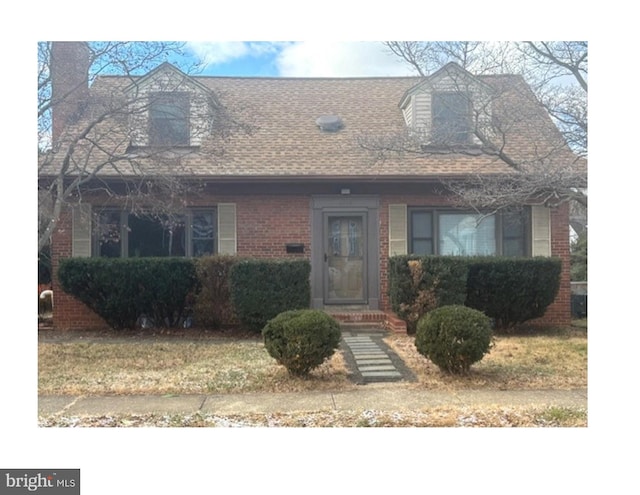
262	289
122	290
447	274
509	290
301	340
212	307
441	281
512	291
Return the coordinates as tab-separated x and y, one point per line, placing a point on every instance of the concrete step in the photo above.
363	319
362	327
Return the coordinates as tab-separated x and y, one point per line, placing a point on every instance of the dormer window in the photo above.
169	119
451	118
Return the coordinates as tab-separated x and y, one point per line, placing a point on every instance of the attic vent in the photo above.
329	123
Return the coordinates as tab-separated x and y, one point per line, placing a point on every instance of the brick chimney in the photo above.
70	61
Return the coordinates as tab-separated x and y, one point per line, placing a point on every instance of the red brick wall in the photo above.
558	313
68	312
385	201
265	223
69	82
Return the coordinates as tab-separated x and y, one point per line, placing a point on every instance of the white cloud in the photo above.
213	52
339	59
306	58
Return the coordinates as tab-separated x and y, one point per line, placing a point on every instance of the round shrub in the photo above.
454	337
302	339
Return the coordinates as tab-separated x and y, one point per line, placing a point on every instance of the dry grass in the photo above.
197	363
178	367
441	416
201	364
515	362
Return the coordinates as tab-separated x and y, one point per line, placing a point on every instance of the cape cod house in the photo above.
305	182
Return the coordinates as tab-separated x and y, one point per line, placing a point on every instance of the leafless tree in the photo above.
556	75
426	57
95	152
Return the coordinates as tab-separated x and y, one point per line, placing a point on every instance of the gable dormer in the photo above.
448	108
170	109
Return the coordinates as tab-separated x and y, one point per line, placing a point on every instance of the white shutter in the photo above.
540	231
397	229
227	228
81	231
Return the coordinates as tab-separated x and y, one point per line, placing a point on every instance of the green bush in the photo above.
212	307
301	340
262	289
451	274
512	290
454	337
419	284
122	290
509	290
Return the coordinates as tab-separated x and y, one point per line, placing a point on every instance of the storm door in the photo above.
345	258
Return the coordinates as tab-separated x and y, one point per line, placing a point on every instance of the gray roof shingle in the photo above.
287	143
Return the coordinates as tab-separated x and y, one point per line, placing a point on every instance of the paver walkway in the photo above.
371	360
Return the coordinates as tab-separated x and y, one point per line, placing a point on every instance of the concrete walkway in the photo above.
381	396
370	359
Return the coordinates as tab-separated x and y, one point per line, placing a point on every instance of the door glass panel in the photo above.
345	257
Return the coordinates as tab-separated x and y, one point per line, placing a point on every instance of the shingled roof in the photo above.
287	142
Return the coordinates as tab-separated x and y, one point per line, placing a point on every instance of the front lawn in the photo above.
516	362
184	365
172	367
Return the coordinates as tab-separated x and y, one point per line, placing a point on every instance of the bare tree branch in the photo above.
99	151
550	169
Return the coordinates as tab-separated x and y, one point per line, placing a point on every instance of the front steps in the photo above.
366	319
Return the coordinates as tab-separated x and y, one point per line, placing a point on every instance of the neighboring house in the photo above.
301	184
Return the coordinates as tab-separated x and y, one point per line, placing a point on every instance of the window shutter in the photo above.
397	229
540	231
227	228
81	231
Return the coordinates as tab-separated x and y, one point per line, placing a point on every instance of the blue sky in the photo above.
297	59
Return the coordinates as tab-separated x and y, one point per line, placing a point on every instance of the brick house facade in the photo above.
294	183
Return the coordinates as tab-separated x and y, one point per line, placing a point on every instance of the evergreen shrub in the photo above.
508	290
418	284
121	290
212	306
512	290
454	337
301	340
262	289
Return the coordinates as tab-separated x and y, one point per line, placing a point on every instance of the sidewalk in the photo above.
380	396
